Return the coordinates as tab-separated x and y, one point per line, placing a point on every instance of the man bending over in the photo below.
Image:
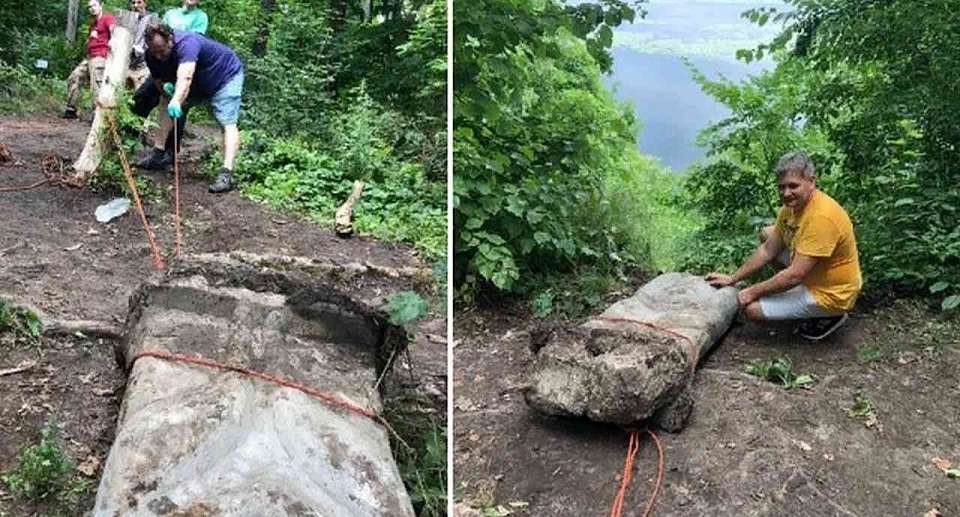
192	68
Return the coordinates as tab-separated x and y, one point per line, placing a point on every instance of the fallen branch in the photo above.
344	219
19	369
90	328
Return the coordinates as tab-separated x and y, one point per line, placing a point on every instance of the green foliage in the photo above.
424	472
404	307
865	88
21	322
43	471
542	304
23	91
778	371
538	143
109	176
399	201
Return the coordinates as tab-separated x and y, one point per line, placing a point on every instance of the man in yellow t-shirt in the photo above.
813	238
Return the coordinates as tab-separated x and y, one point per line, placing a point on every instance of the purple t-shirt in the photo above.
216	63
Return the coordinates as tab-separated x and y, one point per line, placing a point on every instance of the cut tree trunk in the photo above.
117	68
344	218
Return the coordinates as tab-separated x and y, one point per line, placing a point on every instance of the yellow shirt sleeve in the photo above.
817	237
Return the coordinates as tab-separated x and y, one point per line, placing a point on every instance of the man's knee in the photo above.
753	312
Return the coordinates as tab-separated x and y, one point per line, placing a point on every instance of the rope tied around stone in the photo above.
323	396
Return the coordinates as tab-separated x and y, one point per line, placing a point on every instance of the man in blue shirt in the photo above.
192	68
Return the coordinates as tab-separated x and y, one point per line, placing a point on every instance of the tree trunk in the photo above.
117	68
259	47
338	11
72	20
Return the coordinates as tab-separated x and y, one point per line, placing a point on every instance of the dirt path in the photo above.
750	447
42	229
55	256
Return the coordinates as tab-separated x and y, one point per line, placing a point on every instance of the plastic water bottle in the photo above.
112	209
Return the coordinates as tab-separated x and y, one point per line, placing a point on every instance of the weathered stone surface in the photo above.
198	441
636	357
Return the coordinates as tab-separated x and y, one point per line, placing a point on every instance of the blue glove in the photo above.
168	87
174	110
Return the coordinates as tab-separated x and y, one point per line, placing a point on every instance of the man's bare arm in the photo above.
792	276
763	255
184	79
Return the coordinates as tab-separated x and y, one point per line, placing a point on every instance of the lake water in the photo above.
648	69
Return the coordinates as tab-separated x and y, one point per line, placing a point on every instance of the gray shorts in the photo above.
796	303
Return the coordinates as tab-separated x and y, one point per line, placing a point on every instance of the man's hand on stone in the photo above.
719	279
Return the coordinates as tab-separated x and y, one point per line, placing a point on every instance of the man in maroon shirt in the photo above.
91	69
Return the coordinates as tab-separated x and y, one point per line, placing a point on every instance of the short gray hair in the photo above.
795	161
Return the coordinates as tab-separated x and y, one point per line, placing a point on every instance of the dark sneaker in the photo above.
158	159
70	114
223	184
819	328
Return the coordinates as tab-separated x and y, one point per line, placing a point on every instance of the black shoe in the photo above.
223	184
819	328
158	159
70	114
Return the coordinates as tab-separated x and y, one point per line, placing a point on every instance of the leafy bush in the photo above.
537	142
290	174
23	91
43	471
404	307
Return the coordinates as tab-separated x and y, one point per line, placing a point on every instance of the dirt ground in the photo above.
750	447
56	257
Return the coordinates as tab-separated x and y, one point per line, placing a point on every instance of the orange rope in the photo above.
52	168
647	324
176	193
132	184
326	397
633	445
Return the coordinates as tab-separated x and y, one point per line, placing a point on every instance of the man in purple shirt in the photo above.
192	68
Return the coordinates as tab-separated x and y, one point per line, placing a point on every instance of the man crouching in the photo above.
814	239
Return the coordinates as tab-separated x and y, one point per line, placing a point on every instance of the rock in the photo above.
636	357
192	439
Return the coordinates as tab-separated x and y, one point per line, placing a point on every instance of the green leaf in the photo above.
904	201
950	302
952	473
404	307
939	286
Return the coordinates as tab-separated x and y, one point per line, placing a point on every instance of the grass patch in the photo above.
45	473
778	371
